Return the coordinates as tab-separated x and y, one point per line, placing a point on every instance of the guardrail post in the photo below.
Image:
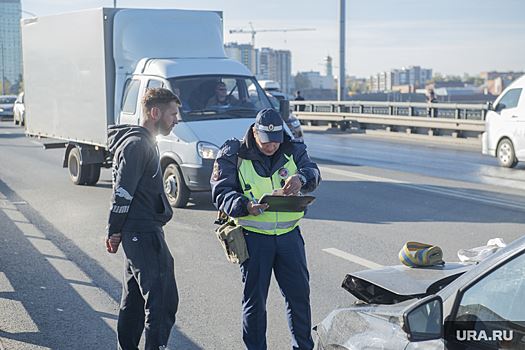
432	112
390	110
456	114
361	109
410	111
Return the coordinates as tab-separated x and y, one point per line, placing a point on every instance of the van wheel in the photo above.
176	190
506	154
86	174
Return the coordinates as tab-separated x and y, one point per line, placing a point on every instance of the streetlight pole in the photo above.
115	3
341	94
3	68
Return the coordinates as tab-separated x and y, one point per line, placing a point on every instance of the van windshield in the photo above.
219	97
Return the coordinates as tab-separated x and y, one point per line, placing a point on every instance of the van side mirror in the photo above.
499	107
490	106
424	320
284	109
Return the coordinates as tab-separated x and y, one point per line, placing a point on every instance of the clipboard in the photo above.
286	203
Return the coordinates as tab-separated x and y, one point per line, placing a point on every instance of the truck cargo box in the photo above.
76	64
69	75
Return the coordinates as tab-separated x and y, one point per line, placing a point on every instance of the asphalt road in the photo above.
59	289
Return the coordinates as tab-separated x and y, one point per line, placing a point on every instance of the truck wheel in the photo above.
87	174
94	174
176	190
506	155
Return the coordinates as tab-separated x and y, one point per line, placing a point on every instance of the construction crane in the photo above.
254	31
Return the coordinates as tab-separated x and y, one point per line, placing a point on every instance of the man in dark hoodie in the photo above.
264	161
139	210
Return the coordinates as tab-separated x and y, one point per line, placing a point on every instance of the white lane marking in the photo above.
475	197
360	176
5	285
22	321
15	215
442	191
69	270
353	258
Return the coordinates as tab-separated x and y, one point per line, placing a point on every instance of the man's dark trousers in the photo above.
285	255
149	296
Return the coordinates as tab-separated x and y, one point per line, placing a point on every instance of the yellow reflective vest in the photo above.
269	223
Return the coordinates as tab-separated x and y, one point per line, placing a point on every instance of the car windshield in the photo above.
219	97
7	100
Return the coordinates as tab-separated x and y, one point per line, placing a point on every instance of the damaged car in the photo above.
449	306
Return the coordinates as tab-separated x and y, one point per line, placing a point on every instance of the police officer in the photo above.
266	160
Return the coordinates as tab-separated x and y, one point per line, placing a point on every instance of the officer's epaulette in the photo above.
230	147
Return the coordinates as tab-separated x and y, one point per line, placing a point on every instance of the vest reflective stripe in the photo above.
267	225
270	223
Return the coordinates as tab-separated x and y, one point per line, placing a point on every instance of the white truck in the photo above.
504	135
86	70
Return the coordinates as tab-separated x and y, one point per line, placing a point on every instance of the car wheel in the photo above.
506	155
176	190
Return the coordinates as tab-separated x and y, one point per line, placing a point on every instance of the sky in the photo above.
452	37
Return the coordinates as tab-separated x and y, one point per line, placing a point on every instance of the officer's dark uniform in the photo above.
280	248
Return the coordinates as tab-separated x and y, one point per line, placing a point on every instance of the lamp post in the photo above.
3	67
341	94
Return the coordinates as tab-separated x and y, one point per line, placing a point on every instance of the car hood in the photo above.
219	130
394	284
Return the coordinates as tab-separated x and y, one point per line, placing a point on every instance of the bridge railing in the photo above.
430	117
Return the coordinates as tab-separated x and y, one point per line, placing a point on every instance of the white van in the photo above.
504	135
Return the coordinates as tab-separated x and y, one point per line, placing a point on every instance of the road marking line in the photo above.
473	197
353	258
5	285
427	188
23	324
361	176
66	268
15	215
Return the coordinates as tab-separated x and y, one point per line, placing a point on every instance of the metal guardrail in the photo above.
429	116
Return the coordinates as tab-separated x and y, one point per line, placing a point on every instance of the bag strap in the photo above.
222	217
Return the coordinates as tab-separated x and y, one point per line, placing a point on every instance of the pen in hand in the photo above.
254	208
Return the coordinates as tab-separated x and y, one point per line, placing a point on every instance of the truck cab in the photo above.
205	121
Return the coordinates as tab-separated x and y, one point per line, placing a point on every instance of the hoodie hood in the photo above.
117	134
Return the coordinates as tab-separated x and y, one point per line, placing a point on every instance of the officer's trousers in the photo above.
149	291
285	255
